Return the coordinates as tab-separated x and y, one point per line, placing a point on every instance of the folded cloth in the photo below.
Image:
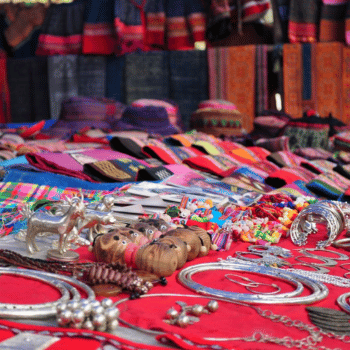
58	180
245	181
129	145
313	153
274	144
114	170
71	164
287	175
330	184
170	154
295	189
217	165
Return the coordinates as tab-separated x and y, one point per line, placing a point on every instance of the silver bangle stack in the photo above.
334	213
65	285
318	290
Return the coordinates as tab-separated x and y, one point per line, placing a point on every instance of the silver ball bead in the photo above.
85	306
97	310
78	316
88	325
112	313
212	305
183	321
99	320
172	313
113	325
95	303
72	305
61	307
197	309
144	290
106	303
66	316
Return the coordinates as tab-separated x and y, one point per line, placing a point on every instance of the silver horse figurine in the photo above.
44	223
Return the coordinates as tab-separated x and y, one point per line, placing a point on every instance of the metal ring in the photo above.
318	269
342	243
64	284
327	262
319	290
341	256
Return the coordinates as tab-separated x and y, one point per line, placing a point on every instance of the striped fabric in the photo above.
261	88
303	21
62	29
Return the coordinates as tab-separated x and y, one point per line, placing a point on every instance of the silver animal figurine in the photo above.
44	223
93	220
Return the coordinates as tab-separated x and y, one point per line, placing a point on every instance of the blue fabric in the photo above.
115	78
99	11
307	81
188	80
61	181
13	161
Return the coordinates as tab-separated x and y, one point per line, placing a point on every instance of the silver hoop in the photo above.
341	256
38	311
318	269
268	249
342	302
319	290
327	262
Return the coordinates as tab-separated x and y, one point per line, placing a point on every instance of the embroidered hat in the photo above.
217	117
80	108
152	119
171	108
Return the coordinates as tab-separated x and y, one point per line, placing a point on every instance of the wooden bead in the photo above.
157	258
179	246
110	247
106	290
189	237
205	240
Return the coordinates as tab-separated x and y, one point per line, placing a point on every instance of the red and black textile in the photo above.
303	21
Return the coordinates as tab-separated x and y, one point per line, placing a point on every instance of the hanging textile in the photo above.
147	76
316	76
28	86
115	78
188	81
129	26
332	21
185	23
299	77
21	22
261	89
232	72
99	37
303	21
62	30
91	76
63	81
5	112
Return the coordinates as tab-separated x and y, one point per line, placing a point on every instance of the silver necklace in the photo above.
64	284
319	290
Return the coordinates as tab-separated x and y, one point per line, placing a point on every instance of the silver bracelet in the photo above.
38	311
326	261
342	301
319	290
340	256
269	249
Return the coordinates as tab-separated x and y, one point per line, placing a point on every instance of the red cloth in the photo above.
230	320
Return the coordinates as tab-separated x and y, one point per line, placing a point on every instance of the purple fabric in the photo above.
151	119
67	163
